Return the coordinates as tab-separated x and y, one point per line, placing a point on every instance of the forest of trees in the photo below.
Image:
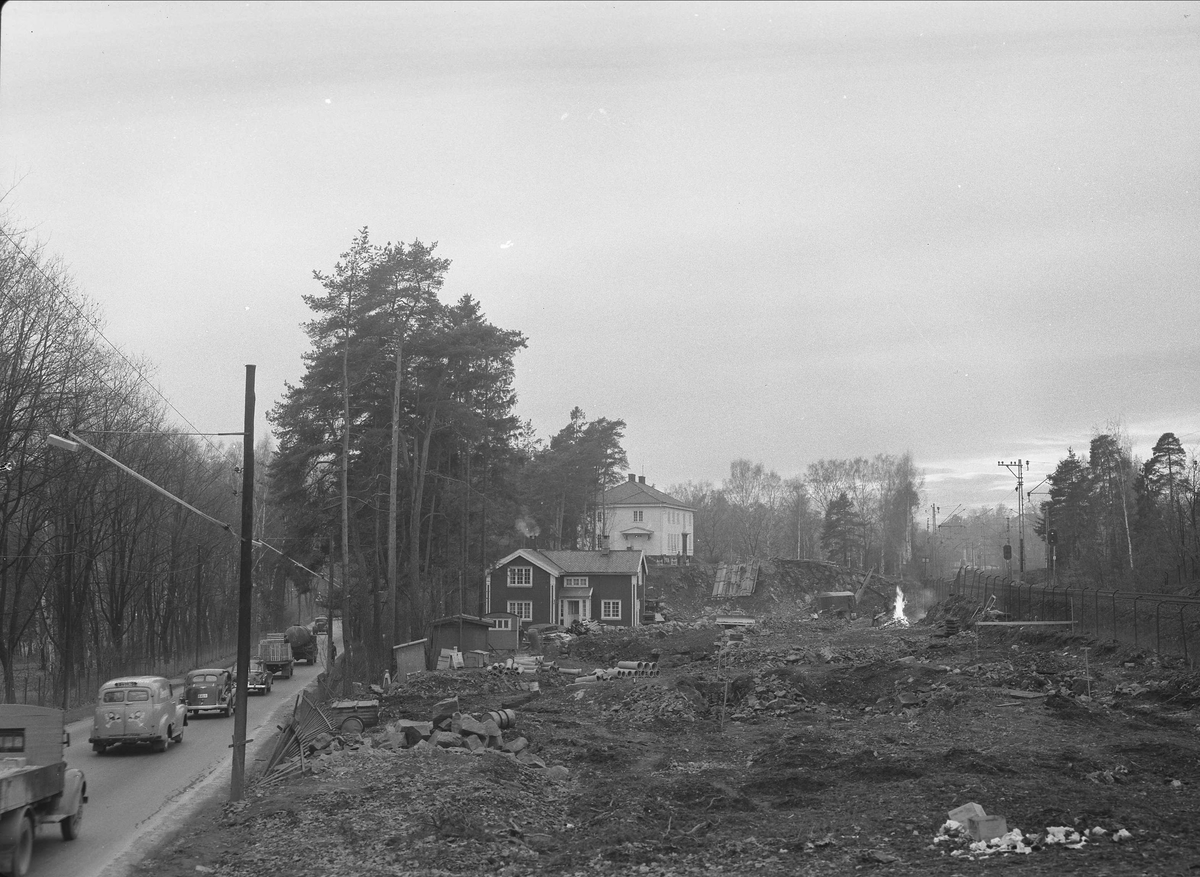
402	472
854	512
98	575
1124	523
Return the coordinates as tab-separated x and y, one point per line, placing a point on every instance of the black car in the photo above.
258	679
209	690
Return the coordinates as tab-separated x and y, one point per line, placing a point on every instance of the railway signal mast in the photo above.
1019	471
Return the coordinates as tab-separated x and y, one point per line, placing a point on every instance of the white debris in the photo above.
1065	835
1122	836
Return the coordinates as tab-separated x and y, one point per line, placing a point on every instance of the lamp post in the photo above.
73	443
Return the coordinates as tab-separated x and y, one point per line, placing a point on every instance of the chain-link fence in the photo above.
1168	624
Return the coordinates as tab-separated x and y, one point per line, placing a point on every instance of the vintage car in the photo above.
320	624
209	691
258	679
138	709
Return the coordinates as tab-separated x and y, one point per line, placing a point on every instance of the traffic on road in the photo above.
148	758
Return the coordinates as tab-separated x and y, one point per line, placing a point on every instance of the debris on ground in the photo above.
810	743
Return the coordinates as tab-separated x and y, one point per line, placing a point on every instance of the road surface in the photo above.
135	795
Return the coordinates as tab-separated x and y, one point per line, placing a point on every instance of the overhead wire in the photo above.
100	332
54	285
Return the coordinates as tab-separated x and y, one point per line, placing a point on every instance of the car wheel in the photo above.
160	745
99	748
23	852
70	825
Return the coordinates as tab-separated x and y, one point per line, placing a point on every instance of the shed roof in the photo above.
456	619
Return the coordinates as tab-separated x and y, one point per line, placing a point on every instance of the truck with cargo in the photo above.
275	653
36	786
304	644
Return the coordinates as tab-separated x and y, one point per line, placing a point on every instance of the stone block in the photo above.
465	724
444	710
446	739
515	746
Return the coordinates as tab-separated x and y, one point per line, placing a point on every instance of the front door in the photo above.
570	611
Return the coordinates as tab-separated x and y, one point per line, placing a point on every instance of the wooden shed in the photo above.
504	635
467	633
409	658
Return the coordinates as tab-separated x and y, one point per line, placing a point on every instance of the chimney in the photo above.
604	545
641	479
632	478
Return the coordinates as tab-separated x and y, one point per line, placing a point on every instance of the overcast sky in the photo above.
783	232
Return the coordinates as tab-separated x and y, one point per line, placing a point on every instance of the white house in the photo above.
635	515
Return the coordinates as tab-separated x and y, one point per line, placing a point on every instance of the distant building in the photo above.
561	587
634	515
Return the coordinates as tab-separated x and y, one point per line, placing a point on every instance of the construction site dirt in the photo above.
819	743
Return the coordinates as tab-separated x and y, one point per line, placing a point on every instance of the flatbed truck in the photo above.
36	786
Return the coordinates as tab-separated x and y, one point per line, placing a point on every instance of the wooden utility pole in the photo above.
245	593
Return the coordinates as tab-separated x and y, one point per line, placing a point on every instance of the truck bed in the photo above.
22	784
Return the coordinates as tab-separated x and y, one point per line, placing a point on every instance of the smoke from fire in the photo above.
528	527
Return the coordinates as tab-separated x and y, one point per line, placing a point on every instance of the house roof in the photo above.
559	563
637	493
637	531
534	556
598	562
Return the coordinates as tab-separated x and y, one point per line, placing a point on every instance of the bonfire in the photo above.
898	619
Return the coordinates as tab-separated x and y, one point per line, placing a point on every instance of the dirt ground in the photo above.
819	745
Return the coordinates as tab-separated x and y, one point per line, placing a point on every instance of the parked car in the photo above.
138	709
258	679
320	624
209	690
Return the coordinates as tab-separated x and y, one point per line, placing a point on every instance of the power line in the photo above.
83	315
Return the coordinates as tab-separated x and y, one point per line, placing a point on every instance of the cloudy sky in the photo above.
784	232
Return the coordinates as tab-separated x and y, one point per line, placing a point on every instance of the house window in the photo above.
575	582
673	542
637	517
502	623
523	609
520	576
610	610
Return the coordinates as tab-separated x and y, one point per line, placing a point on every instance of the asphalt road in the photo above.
135	795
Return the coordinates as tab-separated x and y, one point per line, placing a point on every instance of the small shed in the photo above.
409	658
467	633
504	635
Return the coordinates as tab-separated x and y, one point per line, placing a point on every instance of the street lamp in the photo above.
73	443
